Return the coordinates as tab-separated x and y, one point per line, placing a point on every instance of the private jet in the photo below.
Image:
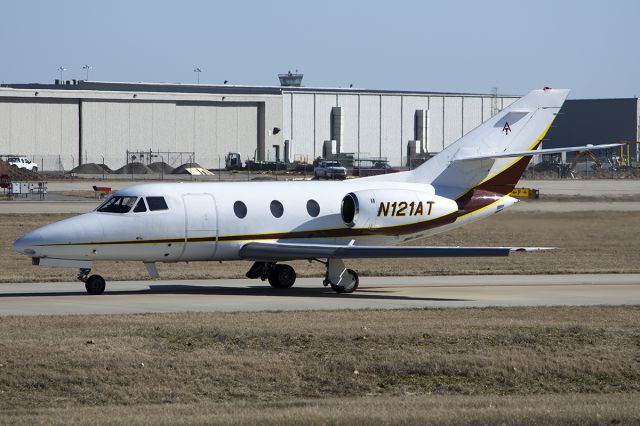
324	221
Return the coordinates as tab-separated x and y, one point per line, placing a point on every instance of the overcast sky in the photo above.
591	47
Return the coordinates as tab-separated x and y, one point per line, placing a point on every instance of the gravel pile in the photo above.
161	167
91	169
134	168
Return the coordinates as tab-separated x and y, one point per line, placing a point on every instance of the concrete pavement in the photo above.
308	293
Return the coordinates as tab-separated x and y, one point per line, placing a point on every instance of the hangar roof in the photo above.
223	89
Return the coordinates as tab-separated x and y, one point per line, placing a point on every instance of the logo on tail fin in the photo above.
506	129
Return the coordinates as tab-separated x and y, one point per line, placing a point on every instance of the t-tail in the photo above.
489	160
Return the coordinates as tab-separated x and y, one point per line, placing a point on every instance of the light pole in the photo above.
87	68
61	69
198	71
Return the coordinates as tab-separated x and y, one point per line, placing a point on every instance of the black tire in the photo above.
351	286
34	170
95	285
282	276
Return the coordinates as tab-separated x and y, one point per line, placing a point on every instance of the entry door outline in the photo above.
195	219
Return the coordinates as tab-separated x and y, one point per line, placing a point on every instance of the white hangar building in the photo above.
69	123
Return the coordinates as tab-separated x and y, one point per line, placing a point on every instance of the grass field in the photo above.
565	365
588	242
514	366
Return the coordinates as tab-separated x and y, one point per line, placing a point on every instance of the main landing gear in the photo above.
94	284
279	276
341	279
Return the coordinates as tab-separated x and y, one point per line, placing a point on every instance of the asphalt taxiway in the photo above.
374	292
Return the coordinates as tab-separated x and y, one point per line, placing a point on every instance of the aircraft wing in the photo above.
535	152
269	252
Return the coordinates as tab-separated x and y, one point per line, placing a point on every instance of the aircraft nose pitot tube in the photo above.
394	209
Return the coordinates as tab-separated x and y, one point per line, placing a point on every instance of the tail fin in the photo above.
519	127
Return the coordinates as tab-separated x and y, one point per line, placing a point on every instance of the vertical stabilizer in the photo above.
519	127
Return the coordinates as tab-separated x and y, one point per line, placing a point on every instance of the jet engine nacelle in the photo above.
379	208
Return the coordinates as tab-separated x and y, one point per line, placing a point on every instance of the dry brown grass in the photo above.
576	365
516	410
588	242
91	195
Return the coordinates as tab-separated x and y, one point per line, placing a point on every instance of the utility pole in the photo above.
87	68
198	71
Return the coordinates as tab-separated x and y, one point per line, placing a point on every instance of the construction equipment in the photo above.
525	193
233	161
588	155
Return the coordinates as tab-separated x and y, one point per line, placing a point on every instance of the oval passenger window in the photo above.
276	208
240	209
313	208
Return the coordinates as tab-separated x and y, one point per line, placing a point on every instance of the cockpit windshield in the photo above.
117	204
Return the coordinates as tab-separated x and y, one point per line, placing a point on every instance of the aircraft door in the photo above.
201	227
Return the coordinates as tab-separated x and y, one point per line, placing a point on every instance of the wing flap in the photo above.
285	251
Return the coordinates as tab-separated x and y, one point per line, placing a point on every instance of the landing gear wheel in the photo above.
282	276
95	284
348	284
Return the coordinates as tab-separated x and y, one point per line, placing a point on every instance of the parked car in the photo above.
330	170
22	163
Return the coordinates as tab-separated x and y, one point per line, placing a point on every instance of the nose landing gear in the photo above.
94	284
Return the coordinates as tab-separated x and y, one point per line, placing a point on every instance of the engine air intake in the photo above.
349	209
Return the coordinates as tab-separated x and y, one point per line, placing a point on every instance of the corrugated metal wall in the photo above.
209	129
369	125
45	131
380	125
322	124
472	117
302	126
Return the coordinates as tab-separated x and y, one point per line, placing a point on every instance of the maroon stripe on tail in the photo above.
494	188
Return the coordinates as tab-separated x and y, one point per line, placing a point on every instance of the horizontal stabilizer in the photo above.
285	251
535	152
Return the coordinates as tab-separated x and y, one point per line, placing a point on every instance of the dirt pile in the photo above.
16	173
91	169
182	170
134	169
161	167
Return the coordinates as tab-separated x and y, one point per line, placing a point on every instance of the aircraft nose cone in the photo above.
49	241
26	243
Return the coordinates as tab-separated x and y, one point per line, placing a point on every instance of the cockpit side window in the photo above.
157	203
140	207
117	204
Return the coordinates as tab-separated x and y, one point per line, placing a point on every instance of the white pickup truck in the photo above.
22	162
330	170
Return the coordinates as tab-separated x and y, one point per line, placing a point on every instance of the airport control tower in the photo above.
291	79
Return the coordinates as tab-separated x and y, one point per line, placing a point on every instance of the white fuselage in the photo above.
201	223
